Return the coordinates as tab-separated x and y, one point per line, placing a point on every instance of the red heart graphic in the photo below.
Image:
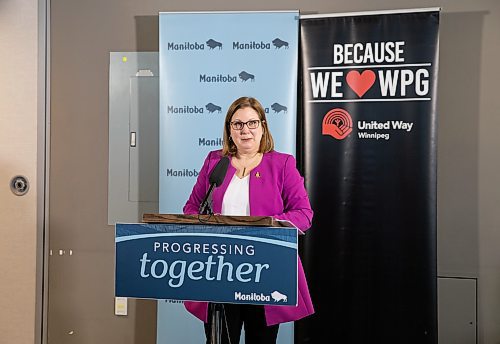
360	83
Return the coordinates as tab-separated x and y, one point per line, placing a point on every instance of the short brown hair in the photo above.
266	143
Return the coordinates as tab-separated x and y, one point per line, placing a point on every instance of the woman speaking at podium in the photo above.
259	182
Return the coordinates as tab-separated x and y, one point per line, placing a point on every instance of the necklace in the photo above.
248	163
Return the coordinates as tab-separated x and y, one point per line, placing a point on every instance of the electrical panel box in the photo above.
133	136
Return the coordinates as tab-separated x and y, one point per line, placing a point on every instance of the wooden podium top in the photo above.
264	221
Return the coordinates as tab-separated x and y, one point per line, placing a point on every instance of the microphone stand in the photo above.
216	309
217	315
206	204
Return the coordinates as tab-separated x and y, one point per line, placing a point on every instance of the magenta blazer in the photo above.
276	189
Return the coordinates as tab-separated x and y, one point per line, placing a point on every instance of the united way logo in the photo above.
337	123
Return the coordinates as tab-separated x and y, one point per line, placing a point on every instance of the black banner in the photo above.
369	151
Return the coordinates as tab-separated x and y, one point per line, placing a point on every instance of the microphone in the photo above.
215	179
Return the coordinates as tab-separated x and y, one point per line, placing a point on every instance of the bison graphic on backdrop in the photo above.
278	43
244	76
277	296
277	108
212	108
214	44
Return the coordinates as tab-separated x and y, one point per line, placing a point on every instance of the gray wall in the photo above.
82	35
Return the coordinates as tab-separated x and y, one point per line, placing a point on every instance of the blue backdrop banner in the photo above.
207	60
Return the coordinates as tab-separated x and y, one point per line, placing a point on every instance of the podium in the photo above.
214	258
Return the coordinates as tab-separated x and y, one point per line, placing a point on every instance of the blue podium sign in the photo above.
232	264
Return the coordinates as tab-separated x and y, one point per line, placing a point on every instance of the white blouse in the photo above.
236	200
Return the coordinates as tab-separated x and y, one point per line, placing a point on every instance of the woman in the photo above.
259	182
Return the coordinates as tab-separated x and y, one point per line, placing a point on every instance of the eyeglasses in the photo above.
252	124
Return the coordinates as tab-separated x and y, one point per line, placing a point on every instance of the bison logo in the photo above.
277	296
277	108
214	44
212	108
278	43
244	76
